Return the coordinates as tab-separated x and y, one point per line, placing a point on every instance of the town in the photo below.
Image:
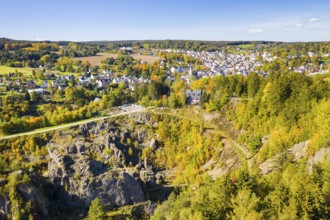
165	110
130	127
218	63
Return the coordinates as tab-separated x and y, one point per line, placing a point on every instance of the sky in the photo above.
91	20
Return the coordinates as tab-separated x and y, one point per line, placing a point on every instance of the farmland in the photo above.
96	60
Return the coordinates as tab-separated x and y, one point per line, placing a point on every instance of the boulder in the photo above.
320	156
153	143
299	150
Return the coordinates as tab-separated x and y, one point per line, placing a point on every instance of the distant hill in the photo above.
197	45
173	42
4	40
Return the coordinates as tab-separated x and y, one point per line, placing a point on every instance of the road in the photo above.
125	110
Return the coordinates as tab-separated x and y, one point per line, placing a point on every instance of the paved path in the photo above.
44	130
126	110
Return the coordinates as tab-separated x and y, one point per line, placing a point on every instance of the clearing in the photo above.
96	60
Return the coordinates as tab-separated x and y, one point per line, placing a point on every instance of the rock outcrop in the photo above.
91	161
5	206
82	179
229	161
297	151
38	200
321	155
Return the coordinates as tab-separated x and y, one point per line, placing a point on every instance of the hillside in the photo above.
226	131
63	172
138	160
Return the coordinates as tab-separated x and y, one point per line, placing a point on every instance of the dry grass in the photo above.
145	58
96	60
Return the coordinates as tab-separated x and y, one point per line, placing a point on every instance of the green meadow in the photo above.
6	70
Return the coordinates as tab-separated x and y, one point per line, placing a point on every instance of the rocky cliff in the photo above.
89	161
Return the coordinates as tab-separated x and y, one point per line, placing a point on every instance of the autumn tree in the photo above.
33	97
45	59
96	210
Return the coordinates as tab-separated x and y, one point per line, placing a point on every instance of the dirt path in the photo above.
243	149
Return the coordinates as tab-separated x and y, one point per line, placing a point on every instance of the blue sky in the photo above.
86	20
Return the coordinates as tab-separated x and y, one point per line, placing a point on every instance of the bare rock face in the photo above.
82	179
5	206
90	164
297	151
321	155
30	192
36	197
269	165
90	161
229	158
147	208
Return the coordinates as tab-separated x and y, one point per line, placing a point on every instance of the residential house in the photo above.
95	76
62	87
18	82
102	83
127	48
38	91
193	97
30	84
55	84
44	85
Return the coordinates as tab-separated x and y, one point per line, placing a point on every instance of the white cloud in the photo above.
297	25
255	30
313	20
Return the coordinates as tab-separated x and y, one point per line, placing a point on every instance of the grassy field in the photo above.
237	52
28	71
96	60
64	73
6	70
246	46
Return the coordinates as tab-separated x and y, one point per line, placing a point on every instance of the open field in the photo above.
148	59
246	46
28	71
6	70
96	60
56	72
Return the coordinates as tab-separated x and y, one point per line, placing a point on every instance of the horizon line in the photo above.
131	40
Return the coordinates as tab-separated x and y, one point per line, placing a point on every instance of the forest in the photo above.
291	108
266	112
